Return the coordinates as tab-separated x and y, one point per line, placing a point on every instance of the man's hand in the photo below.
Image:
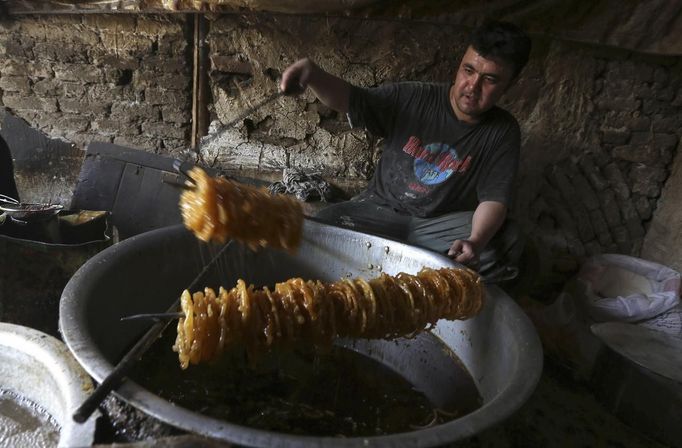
332	91
296	77
487	220
465	252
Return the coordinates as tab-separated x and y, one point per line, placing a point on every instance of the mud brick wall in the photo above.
601	183
124	79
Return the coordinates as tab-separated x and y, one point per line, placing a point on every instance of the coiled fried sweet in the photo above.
218	209
384	307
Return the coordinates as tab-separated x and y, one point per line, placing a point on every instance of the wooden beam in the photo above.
200	67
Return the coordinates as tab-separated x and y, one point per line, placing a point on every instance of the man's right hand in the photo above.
296	77
334	92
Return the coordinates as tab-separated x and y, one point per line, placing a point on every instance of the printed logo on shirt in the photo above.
435	162
419	188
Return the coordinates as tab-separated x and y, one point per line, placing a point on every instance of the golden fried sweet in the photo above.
218	209
384	307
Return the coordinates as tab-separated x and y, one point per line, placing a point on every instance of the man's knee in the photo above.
328	213
364	216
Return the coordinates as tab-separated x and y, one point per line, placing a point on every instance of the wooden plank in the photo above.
97	183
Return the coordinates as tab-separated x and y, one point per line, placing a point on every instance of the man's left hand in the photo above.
465	252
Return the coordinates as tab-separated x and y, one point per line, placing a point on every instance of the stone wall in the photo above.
601	126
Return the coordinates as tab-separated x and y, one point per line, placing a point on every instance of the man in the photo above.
7	184
445	178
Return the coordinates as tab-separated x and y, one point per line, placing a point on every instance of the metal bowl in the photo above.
29	212
38	367
146	273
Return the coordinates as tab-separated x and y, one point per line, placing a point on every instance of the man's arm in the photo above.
487	220
334	92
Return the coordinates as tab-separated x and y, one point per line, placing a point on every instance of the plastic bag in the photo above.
608	288
620	288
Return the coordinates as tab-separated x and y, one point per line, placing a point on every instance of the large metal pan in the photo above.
146	273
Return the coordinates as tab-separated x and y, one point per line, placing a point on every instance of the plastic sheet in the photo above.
619	288
608	288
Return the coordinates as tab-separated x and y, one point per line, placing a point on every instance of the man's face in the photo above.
479	84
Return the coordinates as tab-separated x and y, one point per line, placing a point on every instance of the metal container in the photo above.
638	377
146	273
38	367
25	212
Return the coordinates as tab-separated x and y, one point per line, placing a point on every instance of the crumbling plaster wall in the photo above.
601	126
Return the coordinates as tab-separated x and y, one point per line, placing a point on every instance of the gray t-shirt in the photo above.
432	163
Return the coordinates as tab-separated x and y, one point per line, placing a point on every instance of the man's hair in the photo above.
503	41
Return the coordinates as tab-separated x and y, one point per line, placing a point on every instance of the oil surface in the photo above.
338	393
25	424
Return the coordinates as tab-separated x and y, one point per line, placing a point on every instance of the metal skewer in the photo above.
177	166
10	199
154	316
118	375
242	116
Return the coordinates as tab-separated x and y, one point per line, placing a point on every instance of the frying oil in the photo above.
300	391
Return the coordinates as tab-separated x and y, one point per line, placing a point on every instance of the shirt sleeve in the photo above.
497	180
374	108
